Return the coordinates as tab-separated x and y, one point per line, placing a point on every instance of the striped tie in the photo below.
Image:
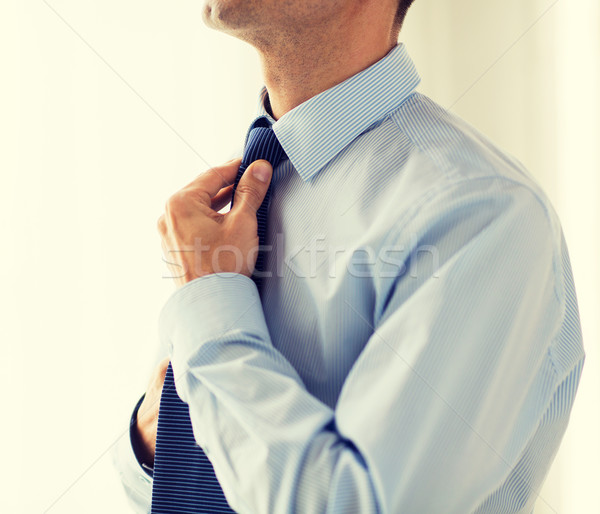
184	479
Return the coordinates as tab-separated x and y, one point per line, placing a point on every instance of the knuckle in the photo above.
181	201
161	224
250	194
176	201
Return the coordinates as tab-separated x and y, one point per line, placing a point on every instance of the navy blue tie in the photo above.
184	479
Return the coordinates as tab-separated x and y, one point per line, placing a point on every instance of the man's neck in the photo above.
295	71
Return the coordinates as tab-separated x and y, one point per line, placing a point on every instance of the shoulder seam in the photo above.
429	196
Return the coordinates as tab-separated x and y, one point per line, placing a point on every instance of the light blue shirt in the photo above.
416	347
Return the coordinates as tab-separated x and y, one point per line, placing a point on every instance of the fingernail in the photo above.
262	171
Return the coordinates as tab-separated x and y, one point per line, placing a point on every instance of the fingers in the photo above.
222	198
253	187
161	369
215	179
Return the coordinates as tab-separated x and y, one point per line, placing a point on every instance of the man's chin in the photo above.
207	13
218	14
229	16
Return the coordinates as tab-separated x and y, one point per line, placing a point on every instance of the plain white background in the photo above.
106	108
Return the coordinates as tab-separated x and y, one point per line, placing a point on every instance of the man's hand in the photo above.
197	239
147	416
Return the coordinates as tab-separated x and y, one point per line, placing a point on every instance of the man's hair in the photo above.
403	6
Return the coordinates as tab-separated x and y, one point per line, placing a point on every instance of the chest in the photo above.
319	294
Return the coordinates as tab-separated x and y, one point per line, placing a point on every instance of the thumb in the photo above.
253	186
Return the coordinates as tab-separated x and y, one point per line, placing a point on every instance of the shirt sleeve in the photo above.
135	477
455	400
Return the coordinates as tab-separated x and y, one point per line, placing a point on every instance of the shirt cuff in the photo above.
136	480
135	443
210	309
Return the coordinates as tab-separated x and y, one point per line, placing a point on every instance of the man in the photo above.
411	343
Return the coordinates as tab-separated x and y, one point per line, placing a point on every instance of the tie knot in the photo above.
262	143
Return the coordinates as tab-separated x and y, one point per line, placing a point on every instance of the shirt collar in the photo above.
314	132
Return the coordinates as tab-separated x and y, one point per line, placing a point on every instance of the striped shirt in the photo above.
416	345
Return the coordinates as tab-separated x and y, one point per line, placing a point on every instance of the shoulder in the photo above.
456	188
452	144
446	160
458	199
